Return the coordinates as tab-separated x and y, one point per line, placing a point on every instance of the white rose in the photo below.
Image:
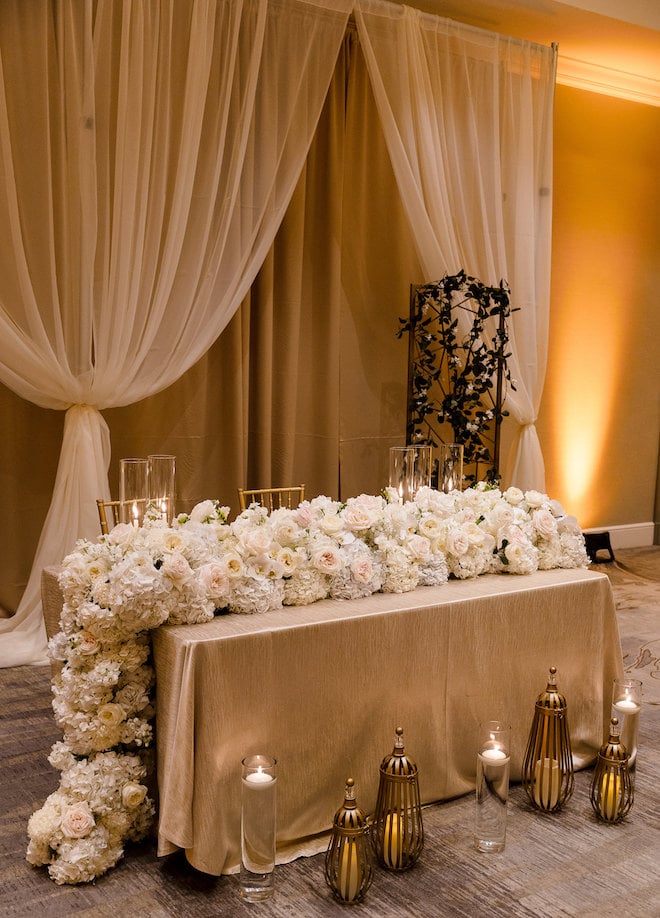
176	567
356	518
234	564
171	540
304	515
327	560
203	512
501	515
122	535
544	523
110	714
132	697
513	496
429	526
132	795
457	542
257	541
286	530
289	560
86	644
419	547
331	525
362	570
214	579
535	498
77	820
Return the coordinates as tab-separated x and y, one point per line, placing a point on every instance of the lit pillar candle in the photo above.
163	510
349	874
392	840
135	515
547	782
610	796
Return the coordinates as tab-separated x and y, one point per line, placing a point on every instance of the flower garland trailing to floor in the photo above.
120	588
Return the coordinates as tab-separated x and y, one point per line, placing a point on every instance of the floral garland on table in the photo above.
120	588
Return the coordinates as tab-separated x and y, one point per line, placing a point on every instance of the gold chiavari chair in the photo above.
109	514
271	498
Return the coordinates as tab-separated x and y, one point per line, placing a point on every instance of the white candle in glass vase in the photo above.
259	777
495	755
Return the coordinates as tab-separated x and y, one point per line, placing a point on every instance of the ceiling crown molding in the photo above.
597	78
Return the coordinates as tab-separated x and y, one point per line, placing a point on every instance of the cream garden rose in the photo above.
77	820
132	795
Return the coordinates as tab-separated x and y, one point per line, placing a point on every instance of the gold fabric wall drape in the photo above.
306	383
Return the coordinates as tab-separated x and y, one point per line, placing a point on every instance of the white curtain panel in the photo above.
148	151
467	116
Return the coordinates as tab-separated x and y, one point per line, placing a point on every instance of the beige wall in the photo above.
599	421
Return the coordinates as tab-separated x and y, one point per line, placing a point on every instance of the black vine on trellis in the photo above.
455	381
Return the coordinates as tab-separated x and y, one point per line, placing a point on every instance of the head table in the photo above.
323	687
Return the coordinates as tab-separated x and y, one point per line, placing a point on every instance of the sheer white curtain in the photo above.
467	116
148	152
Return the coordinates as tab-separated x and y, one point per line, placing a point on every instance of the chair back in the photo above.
109	514
271	498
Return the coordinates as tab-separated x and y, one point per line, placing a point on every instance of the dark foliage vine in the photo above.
455	380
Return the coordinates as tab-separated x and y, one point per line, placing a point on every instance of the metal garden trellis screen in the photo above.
457	368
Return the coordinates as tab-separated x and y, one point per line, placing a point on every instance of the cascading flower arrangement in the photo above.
117	590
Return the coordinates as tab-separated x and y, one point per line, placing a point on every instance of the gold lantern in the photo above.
348	870
611	787
397	832
547	773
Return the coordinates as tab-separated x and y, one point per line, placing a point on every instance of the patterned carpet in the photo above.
564	865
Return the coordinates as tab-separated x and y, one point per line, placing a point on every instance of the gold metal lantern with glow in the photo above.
611	787
348	868
397	831
547	773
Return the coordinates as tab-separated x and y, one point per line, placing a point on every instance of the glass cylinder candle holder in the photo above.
492	789
450	473
162	485
133	490
626	705
410	470
258	827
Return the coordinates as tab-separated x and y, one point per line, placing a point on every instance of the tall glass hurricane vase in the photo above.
133	490
162	485
410	470
626	705
492	786
258	826
451	467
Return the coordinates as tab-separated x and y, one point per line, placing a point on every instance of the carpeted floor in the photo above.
566	864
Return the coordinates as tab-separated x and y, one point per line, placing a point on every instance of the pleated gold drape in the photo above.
306	383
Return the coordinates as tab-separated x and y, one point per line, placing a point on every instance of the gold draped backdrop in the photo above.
307	382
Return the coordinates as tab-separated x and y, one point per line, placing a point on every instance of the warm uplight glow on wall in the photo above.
598	417
585	393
